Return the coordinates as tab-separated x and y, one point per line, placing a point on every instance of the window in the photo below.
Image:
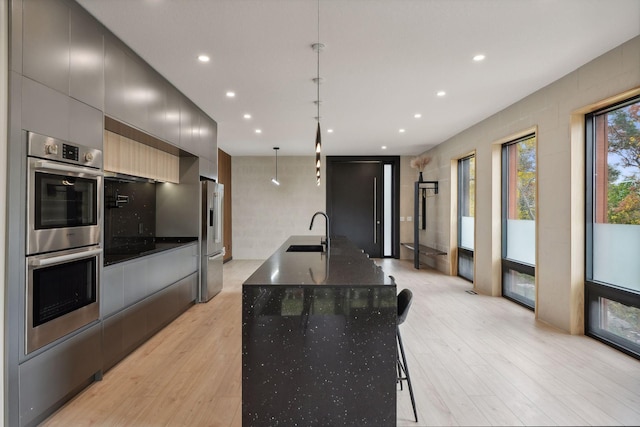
466	214
387	202
519	220
613	226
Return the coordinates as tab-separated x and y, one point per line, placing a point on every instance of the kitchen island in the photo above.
318	338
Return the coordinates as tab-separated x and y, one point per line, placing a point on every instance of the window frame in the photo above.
463	252
594	289
508	264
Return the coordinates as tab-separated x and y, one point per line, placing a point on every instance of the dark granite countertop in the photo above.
144	247
344	265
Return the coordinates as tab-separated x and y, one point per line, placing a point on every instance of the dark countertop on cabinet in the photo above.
143	247
344	265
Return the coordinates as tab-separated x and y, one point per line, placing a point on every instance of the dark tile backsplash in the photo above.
129	216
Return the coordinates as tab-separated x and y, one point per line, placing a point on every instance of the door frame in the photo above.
394	161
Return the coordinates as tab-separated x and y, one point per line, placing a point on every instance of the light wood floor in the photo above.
474	360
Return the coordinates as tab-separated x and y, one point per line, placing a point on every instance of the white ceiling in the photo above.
384	61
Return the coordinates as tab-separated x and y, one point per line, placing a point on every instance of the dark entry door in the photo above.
354	203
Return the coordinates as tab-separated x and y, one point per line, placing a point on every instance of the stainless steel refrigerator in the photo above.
211	240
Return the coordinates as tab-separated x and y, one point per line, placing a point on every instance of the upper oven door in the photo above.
63	206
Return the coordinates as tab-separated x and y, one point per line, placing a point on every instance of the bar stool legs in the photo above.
403	373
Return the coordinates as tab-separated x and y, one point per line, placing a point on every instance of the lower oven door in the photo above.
62	294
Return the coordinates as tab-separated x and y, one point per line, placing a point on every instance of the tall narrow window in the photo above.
518	220
613	226
466	216
387	198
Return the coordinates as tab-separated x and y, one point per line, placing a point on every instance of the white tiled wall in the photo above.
265	215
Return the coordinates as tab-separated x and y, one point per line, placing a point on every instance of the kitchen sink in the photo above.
305	248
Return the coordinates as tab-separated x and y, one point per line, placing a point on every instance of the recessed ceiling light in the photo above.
231	94
258	130
479	57
329	130
204	58
247	116
417	115
401	131
384	147
441	93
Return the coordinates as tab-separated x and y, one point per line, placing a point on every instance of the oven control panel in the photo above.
56	149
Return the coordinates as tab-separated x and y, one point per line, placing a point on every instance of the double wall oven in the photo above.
64	216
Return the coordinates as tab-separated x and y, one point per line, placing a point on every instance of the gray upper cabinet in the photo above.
198	132
54	114
186	125
172	115
45	110
137	93
209	138
86	82
68	51
15	38
196	119
157	95
46	43
86	124
115	104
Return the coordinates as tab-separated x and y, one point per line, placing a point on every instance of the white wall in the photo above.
265	215
550	110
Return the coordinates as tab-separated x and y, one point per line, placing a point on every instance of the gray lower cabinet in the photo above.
126	330
141	296
127	283
52	377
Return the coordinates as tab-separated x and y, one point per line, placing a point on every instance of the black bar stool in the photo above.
404	302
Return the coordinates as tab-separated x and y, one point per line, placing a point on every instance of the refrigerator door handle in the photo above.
210	217
217	207
216	256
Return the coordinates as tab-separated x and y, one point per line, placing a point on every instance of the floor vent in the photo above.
472	292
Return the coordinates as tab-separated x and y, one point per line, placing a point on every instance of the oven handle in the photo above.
64	258
43	164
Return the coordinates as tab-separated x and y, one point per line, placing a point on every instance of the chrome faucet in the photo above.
327	227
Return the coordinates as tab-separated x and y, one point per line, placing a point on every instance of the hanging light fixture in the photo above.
275	180
317	47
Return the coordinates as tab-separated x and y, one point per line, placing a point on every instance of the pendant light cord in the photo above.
318	65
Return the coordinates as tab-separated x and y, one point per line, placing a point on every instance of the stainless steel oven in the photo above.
62	294
64	197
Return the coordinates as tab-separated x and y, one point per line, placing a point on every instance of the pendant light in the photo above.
275	180
318	145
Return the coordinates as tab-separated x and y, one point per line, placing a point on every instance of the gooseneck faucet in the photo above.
327	227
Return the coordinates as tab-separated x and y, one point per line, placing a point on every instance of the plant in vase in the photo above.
419	163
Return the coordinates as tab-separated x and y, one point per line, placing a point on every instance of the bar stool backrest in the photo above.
404	302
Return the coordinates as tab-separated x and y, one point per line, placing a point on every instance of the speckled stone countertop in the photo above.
318	339
344	265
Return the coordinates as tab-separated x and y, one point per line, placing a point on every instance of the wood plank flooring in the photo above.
474	360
